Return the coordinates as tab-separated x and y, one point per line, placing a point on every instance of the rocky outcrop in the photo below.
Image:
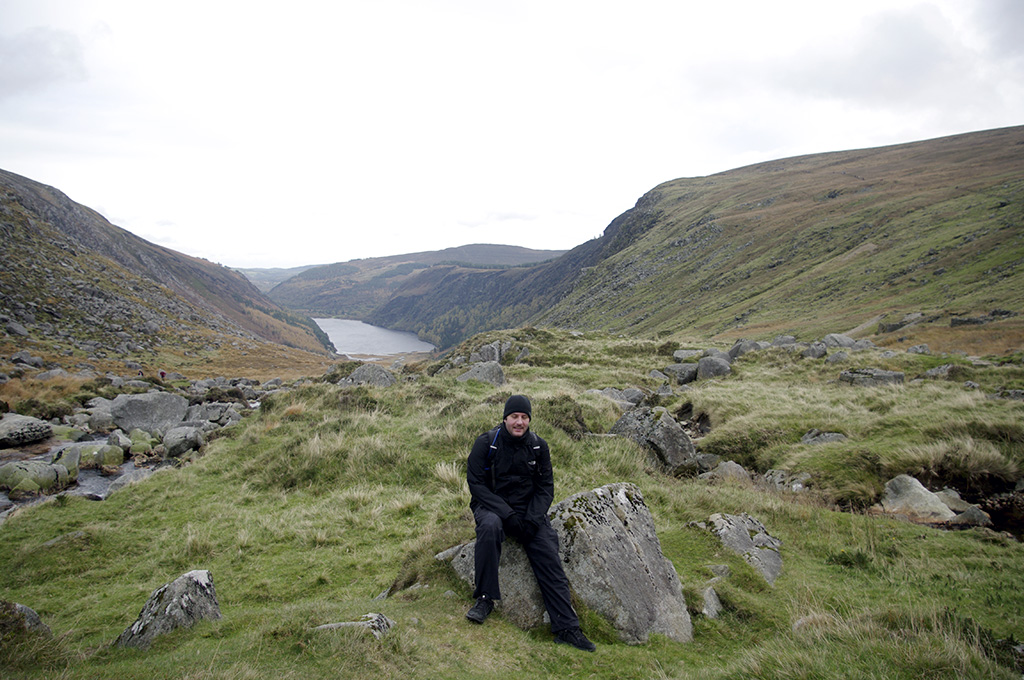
370	374
152	412
871	377
180	604
18	430
375	623
662	437
487	371
29	477
23	617
906	496
613	560
748	538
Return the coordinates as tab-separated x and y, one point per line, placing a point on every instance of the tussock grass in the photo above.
329	496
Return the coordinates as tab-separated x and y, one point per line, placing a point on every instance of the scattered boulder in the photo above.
659	434
919	349
613	560
377	624
783	480
30	477
626	399
727	470
487	371
370	374
972	517
816	350
151	412
747	537
25	357
18	430
816	436
906	496
839	340
871	377
682	373
712	367
179	604
180	440
25	617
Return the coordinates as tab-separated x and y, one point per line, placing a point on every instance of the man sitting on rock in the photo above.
512	486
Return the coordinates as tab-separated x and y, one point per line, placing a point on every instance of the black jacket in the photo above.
523	481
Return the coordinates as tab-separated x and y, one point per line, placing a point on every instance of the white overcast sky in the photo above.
266	134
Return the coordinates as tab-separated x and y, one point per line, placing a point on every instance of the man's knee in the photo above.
488	526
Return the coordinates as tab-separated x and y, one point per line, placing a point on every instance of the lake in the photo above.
355	337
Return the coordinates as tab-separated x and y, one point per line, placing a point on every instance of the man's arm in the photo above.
544	485
477	476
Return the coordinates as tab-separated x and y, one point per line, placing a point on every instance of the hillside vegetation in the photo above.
809	245
330	495
83	292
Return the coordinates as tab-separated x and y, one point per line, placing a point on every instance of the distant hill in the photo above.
72	280
804	245
355	288
266	279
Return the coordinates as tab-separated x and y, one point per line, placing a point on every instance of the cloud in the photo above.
37	58
1000	23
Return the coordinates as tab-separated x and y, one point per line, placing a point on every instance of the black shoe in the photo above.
480	611
576	638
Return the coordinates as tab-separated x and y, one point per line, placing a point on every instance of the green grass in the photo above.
329	496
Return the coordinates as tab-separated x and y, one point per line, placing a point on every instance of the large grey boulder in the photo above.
839	340
712	367
661	436
683	373
904	495
218	412
179	604
27	477
89	455
613	560
180	440
816	350
370	374
487	371
151	412
747	537
18	430
26	616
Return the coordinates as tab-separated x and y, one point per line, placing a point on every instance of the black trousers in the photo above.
542	552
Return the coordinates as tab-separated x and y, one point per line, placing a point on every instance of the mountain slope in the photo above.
67	270
353	289
803	245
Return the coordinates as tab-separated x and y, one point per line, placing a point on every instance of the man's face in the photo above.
517	424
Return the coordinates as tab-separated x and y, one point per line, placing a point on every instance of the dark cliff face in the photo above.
42	215
447	304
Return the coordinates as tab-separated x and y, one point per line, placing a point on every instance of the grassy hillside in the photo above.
354	288
805	246
52	244
331	495
830	241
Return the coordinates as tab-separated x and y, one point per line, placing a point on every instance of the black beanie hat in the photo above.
517	403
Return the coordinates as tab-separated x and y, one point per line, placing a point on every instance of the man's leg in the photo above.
489	537
554	586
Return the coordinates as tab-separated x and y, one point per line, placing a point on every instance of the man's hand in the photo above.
518	529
